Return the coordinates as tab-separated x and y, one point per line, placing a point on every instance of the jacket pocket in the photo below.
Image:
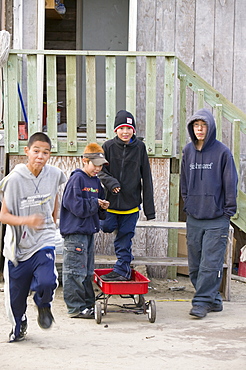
202	206
74	258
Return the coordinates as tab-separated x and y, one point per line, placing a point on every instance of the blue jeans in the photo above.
125	226
206	242
77	272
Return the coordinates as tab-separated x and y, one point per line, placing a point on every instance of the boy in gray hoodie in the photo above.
29	209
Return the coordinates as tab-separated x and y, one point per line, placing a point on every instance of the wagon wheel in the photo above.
151	311
139	300
98	312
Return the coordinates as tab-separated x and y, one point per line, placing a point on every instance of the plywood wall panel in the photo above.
147	242
239	62
204	39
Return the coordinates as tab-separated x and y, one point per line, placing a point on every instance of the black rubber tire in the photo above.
151	311
139	300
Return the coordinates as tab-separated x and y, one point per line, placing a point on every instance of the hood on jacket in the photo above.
206	116
76	171
24	172
79	170
21	169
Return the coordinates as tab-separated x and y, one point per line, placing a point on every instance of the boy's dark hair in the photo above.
38	136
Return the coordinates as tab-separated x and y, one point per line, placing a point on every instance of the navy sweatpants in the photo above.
37	274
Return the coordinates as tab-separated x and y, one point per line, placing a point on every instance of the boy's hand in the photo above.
104	204
35	221
116	190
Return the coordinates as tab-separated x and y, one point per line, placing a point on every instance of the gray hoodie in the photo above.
26	194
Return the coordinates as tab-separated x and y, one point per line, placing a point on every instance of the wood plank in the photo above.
161	224
62	147
173	217
5	102
182	116
184	28
32	101
167	134
141	114
240	220
184	40
204	39
223	46
165	24
165	18
236	145
12	95
236	155
139	260
51	121
151	106
223	56
239	54
131	85
71	105
122	53
146	15
200	102
91	98
110	96
218	120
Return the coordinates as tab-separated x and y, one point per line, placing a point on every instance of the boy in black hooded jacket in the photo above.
209	191
125	178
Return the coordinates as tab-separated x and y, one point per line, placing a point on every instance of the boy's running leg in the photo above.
44	284
17	284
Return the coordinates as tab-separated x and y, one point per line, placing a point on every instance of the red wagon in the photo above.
134	288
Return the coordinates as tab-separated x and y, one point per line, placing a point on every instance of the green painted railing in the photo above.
72	144
156	69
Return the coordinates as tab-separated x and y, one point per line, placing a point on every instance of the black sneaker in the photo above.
87	313
45	317
216	307
113	276
199	311
23	332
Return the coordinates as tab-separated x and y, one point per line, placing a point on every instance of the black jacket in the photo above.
128	169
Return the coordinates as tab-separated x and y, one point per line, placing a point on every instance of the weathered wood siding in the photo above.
151	242
210	37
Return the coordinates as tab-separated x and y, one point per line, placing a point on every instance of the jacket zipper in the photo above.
121	172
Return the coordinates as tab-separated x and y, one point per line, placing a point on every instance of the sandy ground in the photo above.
125	340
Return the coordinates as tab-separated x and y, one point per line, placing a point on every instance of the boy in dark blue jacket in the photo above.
126	179
209	191
82	205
